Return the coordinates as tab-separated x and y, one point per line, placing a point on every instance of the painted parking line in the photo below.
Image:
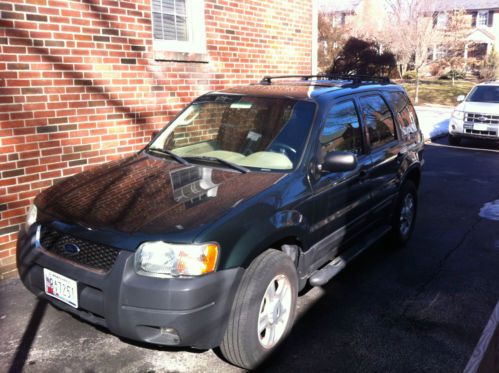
485	357
463	147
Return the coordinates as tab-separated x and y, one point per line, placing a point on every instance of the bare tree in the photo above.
331	41
396	38
370	21
412	33
454	38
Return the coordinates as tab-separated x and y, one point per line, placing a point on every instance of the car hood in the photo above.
146	194
489	108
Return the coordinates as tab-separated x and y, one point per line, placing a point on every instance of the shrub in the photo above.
410	75
437	68
488	73
490	69
453	74
363	57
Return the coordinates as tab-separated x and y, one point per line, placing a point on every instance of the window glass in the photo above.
440	51
482	18
341	129
257	132
178	26
378	119
442	20
169	20
405	113
484	94
338	19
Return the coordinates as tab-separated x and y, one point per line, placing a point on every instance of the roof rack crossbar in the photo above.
355	79
268	79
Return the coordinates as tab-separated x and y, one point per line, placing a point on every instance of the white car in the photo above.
477	116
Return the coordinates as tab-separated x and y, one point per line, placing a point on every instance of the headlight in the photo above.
161	259
31	217
458	114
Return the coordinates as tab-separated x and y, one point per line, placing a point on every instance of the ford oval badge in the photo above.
71	248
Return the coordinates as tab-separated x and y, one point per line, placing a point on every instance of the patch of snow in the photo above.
433	121
490	210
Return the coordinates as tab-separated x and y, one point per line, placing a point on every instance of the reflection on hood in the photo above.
150	195
192	185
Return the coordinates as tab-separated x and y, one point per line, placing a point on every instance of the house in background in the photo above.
360	18
482	18
85	82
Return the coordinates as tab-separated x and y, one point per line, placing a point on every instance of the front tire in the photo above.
263	311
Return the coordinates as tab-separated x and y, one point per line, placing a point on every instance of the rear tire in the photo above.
404	217
263	311
454	140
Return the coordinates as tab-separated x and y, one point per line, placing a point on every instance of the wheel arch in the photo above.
414	175
288	242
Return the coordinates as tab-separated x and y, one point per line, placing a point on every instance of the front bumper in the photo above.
177	311
458	128
474	136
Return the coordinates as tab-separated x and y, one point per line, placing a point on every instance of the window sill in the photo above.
160	55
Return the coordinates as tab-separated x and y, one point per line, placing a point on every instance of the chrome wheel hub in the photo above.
407	214
275	310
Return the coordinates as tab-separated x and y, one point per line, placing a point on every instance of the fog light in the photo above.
170	336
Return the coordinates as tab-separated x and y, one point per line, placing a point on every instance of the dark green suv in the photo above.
205	237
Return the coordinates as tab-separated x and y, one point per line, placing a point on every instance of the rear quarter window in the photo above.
378	120
404	112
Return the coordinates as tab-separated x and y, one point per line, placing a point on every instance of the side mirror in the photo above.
339	162
461	98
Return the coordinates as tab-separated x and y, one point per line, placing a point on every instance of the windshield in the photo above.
484	94
254	132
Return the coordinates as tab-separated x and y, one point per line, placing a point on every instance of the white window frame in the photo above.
196	31
339	19
486	15
442	20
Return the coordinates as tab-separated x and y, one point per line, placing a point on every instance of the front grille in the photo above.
91	254
491	120
481	133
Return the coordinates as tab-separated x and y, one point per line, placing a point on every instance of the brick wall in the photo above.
80	83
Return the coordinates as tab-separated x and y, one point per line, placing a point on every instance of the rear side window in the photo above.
342	129
378	119
405	113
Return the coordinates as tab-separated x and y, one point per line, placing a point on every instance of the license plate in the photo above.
60	287
480	127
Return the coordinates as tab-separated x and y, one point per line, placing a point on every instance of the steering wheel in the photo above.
285	149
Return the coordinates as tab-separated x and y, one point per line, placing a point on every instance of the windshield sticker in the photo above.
241	105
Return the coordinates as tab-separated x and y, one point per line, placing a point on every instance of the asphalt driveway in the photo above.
418	308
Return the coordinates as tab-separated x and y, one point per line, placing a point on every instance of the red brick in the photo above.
88	74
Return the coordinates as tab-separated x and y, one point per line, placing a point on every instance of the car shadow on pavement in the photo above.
478	144
28	337
322	327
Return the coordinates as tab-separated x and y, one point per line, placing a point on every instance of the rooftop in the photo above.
329	6
447	5
304	89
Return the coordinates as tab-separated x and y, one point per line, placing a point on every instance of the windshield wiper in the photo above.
222	161
178	158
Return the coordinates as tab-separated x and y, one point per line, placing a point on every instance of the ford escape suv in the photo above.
206	236
477	116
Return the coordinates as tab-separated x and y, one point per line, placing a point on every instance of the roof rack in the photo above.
355	79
